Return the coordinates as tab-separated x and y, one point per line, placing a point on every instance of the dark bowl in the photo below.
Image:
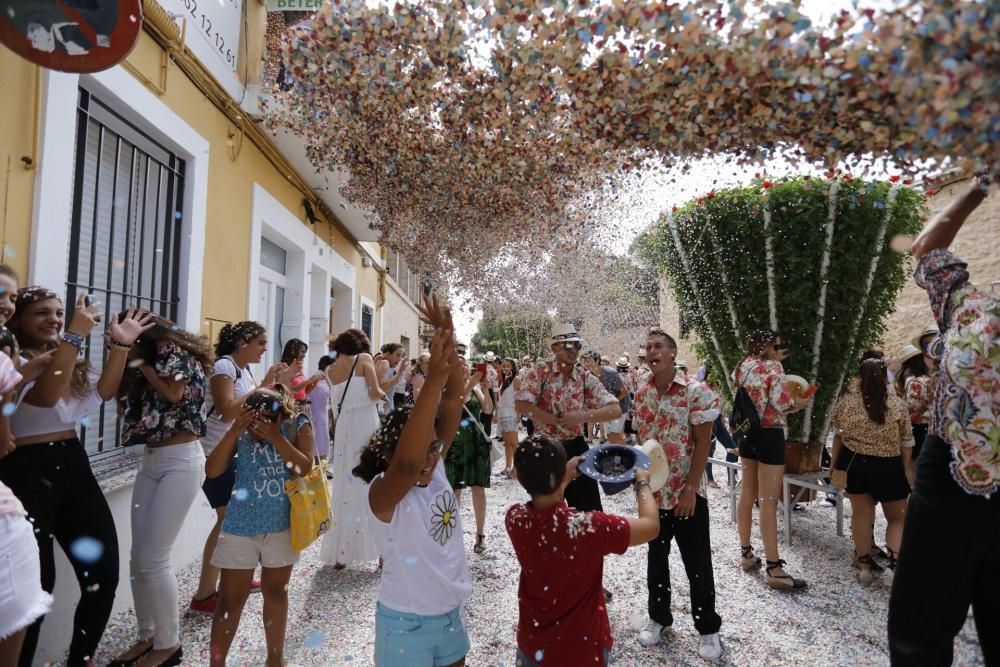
613	466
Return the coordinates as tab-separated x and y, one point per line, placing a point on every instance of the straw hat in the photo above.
613	466
796	385
489	357
658	469
930	330
681	364
564	333
622	363
908	352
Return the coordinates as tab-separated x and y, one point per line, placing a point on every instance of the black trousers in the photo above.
582	493
950	558
55	484
695	545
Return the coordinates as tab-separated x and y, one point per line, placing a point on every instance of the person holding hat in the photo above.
915	385
562	616
560	397
951	534
677	411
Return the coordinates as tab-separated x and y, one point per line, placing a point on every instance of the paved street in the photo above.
837	622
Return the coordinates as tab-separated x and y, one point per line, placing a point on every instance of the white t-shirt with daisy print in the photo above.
425	571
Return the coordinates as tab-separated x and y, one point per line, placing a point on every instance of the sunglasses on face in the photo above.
574	345
460	352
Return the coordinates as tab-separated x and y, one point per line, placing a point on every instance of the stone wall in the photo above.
978	244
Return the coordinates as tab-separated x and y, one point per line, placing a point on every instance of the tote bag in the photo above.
309	501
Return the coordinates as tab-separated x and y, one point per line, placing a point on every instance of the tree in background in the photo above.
513	335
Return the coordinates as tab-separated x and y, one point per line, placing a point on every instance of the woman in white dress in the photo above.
354	395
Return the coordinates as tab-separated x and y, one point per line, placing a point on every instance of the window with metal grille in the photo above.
125	236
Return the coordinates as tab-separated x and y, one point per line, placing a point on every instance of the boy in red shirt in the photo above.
562	616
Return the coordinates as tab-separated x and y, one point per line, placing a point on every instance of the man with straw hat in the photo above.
677	412
560	397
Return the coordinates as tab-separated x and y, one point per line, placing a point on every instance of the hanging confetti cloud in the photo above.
466	126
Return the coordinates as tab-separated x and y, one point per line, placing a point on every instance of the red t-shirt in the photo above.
560	597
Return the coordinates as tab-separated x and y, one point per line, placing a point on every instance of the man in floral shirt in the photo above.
677	411
951	537
560	397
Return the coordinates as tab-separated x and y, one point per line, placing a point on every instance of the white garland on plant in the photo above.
824	266
879	243
769	263
725	285
694	288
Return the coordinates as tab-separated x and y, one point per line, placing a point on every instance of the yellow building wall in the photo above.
230	184
19	111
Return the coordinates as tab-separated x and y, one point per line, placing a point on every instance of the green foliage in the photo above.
723	238
514	336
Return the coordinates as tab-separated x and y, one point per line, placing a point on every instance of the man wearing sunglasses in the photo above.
560	397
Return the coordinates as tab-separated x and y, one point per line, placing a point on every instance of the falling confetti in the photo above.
87	549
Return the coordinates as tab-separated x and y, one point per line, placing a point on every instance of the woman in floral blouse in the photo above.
951	536
763	457
915	385
874	445
163	407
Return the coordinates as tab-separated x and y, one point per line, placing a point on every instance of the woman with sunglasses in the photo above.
49	471
763	457
163	408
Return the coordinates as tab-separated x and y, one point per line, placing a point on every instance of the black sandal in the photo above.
749	561
782	582
480	544
866	576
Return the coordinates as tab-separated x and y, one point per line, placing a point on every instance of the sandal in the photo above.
749	561
866	575
480	544
890	569
782	582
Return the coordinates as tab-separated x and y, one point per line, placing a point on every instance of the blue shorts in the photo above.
219	489
410	640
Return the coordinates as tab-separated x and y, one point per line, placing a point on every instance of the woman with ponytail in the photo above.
874	445
239	346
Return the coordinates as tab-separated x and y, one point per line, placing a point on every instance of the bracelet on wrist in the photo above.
122	346
73	339
641	483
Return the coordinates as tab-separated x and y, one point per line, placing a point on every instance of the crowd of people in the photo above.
402	440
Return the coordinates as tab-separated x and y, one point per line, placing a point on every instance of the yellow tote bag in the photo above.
309	497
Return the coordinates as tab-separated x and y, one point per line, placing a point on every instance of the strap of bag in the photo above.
340	406
475	421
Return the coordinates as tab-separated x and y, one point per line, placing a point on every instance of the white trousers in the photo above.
168	481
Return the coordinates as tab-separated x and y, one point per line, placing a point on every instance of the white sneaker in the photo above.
650	636
711	648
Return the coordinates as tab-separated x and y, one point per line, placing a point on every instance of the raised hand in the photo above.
436	313
85	317
125	330
443	356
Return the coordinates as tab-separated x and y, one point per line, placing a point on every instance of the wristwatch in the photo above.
639	483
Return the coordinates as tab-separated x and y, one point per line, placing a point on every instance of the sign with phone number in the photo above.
213	28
